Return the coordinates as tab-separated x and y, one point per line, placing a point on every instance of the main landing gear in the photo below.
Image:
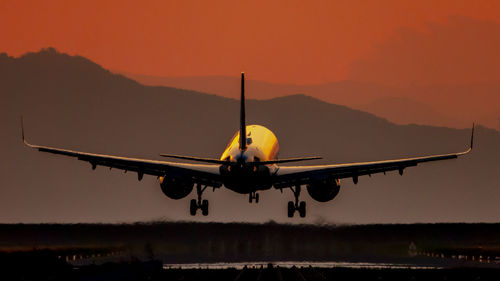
296	206
253	196
199	204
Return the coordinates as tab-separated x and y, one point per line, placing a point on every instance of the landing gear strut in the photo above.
199	204
296	206
252	196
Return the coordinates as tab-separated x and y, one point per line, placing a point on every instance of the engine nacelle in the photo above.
324	190
176	188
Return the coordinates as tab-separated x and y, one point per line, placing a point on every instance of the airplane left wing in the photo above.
199	173
287	176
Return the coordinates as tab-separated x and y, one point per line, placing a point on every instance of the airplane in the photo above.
247	165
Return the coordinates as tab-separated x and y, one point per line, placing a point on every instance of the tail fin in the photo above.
243	129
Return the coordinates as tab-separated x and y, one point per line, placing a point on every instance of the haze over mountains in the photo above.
74	103
380	100
445	74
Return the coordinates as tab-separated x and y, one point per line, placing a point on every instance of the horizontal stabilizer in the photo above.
198	159
287	160
222	162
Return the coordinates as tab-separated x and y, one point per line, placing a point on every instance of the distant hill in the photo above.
69	101
459	105
406	111
226	86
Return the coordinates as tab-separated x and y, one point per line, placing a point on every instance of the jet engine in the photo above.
324	190
176	188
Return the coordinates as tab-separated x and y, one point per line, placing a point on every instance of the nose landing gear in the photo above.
296	206
253	196
199	204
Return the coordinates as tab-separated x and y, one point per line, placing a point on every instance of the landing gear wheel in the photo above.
193	207
199	204
253	196
302	209
204	207
291	209
295	206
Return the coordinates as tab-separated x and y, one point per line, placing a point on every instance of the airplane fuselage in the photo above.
241	174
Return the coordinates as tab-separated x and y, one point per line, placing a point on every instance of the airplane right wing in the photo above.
287	176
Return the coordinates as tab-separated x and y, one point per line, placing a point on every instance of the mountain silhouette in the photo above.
406	111
71	102
451	105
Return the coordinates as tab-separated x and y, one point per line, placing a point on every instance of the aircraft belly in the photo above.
246	183
246	187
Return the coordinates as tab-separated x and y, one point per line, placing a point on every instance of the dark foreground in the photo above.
45	265
187	251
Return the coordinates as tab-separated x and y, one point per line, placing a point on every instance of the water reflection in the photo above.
289	264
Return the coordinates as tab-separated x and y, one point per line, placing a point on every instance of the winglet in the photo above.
22	129
22	134
471	145
472	137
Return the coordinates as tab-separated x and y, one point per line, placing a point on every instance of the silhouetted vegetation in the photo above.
196	242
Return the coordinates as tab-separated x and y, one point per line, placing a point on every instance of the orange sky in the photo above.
278	41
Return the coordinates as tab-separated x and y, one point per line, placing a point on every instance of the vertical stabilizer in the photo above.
243	129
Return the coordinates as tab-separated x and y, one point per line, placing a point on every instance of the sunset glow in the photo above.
299	42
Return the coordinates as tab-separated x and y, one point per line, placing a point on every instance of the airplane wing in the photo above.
287	176
200	173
